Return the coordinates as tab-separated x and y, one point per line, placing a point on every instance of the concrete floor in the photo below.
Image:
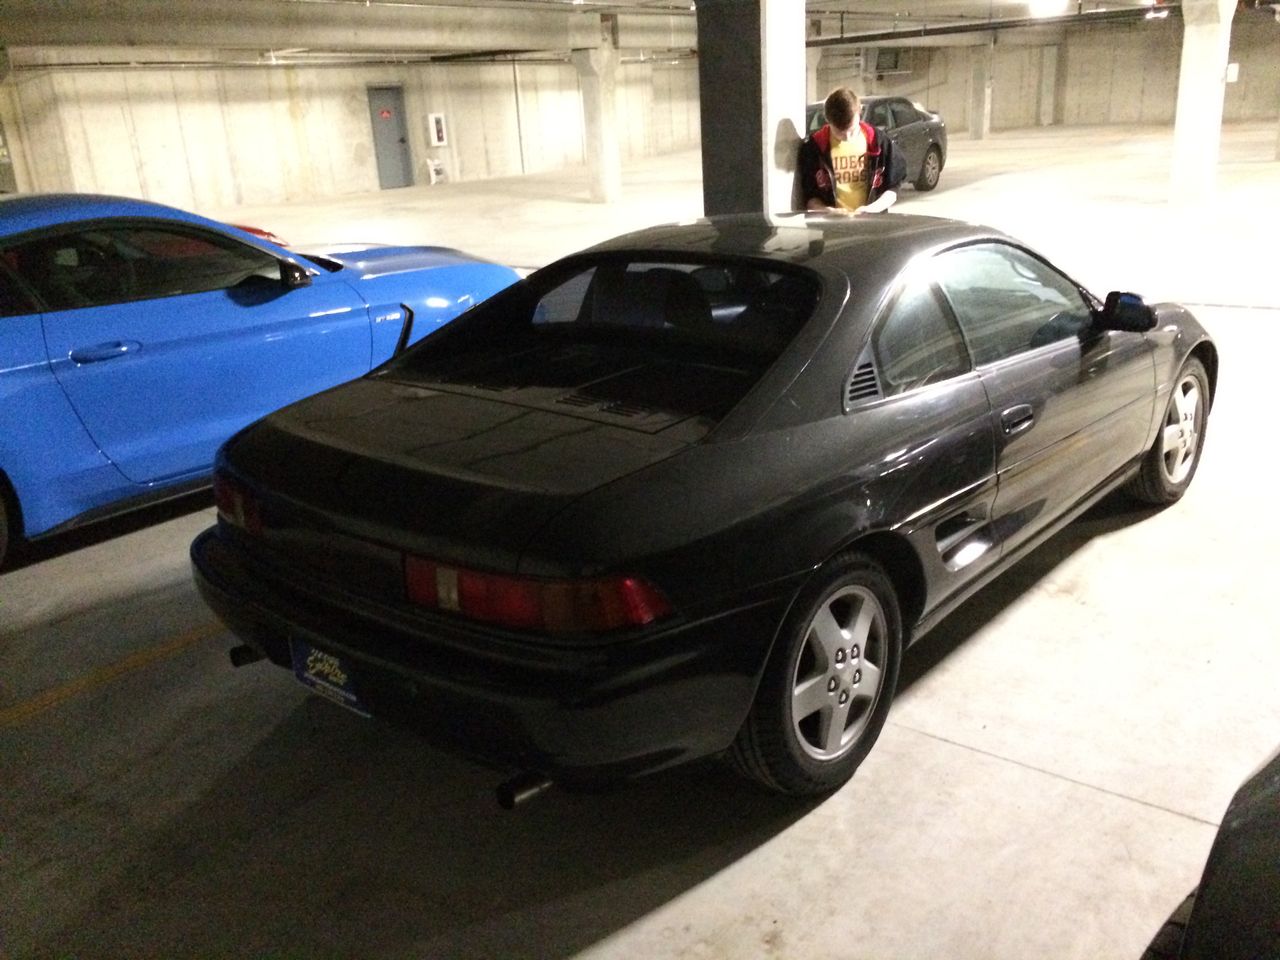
1048	783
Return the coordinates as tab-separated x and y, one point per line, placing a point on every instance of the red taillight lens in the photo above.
235	504
526	603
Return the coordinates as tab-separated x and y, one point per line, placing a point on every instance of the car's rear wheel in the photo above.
1171	462
930	170
4	530
828	684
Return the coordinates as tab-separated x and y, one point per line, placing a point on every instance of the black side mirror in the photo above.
294	275
1128	312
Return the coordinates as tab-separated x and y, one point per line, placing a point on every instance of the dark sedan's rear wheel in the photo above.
826	690
1171	462
930	170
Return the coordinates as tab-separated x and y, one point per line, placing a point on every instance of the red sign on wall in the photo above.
385	114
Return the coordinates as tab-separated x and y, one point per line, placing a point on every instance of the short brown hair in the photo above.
841	108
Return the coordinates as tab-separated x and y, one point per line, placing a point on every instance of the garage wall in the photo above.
1109	73
221	137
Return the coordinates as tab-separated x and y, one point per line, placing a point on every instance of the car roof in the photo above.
869	98
800	238
20	213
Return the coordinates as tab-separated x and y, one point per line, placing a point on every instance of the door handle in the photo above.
1017	418
104	351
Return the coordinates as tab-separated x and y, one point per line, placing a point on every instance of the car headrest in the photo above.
655	298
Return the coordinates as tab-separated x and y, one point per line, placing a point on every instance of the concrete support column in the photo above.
598	76
980	93
812	60
751	80
1202	78
1049	60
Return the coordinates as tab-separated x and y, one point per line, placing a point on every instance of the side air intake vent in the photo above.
863	384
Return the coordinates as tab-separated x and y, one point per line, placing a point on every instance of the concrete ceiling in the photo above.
130	33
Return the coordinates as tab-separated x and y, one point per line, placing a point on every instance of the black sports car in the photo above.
693	490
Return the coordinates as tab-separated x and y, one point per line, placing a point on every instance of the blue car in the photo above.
135	338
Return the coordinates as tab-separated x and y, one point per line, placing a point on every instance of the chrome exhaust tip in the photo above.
521	788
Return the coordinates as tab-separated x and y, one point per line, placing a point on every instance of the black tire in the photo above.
1167	943
1167	469
4	530
930	170
820	750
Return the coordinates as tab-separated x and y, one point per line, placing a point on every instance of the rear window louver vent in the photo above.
863	384
616	408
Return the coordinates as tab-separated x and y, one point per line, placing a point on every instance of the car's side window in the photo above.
1007	301
904	113
878	114
918	343
14	301
104	265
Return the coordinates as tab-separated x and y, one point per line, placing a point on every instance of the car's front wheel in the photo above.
930	170
828	684
1171	462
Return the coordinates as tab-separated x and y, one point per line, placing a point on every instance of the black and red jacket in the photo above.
818	178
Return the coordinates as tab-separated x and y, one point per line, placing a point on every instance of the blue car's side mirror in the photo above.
1126	311
293	275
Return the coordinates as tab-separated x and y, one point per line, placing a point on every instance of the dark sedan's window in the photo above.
1007	301
104	265
878	114
904	113
917	343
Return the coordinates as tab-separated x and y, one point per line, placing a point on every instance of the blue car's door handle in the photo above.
104	351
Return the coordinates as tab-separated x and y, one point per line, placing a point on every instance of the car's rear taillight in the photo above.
526	603
235	504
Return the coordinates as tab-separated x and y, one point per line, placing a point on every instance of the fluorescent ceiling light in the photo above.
1047	8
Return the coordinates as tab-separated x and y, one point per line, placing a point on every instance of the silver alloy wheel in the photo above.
1181	435
932	167
839	673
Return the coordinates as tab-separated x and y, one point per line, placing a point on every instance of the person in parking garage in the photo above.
848	166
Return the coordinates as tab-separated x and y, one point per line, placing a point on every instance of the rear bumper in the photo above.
576	714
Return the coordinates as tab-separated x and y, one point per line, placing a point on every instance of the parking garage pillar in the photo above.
1050	58
980	92
597	73
1202	79
812	60
751	82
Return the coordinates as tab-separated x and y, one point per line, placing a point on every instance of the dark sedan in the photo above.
693	491
920	134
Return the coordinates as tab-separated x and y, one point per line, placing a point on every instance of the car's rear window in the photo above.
645	340
683	308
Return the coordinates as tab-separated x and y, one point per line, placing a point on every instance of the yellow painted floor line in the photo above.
20	713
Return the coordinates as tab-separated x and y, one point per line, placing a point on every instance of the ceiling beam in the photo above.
904	35
316	24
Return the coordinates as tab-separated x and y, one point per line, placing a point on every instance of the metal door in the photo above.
390	137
